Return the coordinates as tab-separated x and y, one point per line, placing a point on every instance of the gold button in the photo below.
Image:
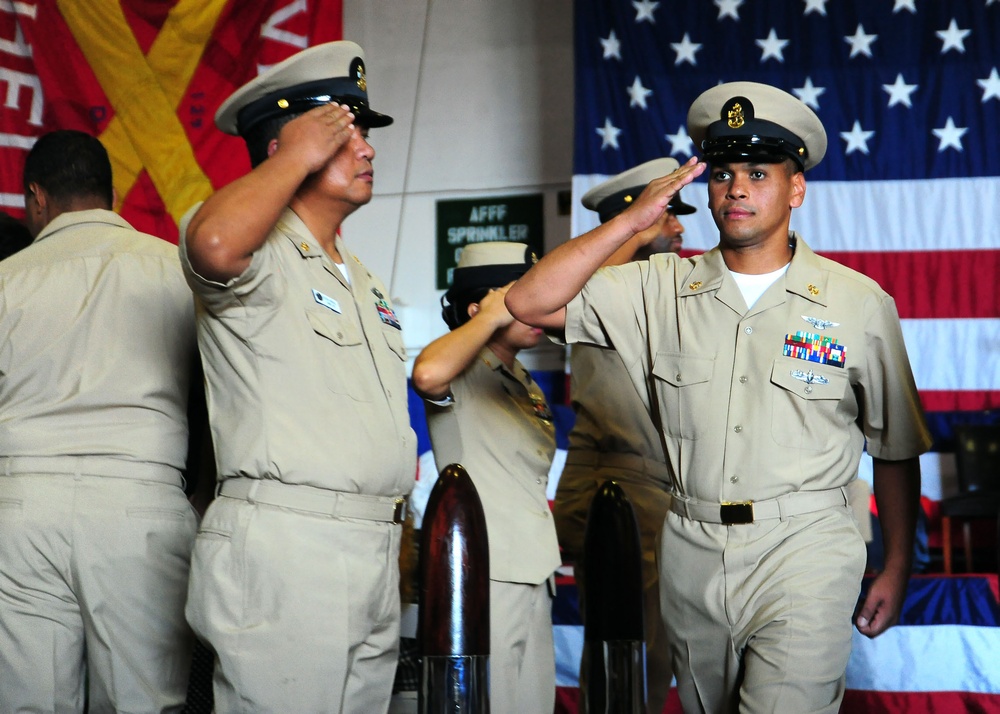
813	290
695	285
304	246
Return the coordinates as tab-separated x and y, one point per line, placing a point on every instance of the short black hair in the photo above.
69	163
455	308
259	135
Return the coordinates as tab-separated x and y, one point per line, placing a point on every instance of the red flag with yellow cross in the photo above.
145	76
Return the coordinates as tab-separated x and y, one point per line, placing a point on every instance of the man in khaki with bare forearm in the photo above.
294	580
768	369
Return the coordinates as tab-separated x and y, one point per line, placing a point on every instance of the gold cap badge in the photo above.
734	117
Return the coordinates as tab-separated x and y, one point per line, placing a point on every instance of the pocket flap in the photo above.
682	370
336	330
804	380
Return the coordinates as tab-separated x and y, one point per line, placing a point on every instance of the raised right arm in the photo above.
235	221
539	298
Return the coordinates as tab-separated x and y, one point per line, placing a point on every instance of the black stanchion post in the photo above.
613	621
454	620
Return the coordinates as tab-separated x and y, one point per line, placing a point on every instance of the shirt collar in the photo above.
74	218
805	276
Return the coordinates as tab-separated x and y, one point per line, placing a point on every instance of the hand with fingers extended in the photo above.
492	308
654	199
317	135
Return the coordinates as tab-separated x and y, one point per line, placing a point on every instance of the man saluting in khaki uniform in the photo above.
295	577
767	368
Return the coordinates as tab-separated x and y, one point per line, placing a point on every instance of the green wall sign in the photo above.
479	220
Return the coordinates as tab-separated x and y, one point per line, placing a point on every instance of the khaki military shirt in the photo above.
97	341
761	402
500	429
305	372
612	417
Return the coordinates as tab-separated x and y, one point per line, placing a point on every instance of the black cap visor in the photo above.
484	276
617	202
755	140
303	97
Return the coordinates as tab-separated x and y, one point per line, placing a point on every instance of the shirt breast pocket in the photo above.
805	404
341	351
682	384
394	338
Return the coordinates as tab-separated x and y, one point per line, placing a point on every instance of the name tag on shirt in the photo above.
327	301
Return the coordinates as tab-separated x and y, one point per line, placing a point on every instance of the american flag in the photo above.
909	190
909	93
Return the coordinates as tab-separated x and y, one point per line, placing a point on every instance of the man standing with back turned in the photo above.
98	345
768	369
295	574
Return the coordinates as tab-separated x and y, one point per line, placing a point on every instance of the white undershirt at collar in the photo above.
753	286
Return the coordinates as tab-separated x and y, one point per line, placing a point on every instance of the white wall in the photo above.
482	96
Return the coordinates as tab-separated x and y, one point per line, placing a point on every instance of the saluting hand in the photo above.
654	199
492	308
317	135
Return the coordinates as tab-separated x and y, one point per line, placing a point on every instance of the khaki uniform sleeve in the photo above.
894	424
609	311
257	285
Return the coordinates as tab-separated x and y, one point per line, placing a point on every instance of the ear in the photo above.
272	146
473	309
798	192
41	198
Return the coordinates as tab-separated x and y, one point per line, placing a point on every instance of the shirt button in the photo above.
809	389
538	480
737	428
545	513
748	330
743	379
677	376
734	479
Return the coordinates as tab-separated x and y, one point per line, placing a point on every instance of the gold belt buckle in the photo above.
399	512
736	513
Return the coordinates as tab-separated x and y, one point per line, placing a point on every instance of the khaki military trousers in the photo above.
522	655
93	577
301	610
759	615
